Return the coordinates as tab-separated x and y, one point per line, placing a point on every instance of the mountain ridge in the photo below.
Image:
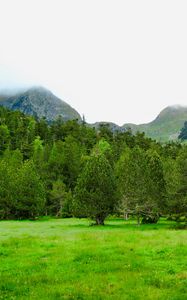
39	102
166	126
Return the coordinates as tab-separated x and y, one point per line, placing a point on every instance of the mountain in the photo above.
112	126
166	126
39	102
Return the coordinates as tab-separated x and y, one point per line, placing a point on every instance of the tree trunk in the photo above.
125	216
138	220
99	220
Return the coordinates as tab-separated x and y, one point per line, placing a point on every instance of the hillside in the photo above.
40	102
166	126
111	126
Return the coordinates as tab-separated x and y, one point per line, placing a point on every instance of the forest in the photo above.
69	169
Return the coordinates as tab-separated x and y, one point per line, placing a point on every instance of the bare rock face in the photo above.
40	102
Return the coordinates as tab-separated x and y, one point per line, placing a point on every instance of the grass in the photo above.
68	259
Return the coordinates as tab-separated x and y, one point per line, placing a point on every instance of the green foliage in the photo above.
9	172
183	132
130	171
105	132
151	177
180	205
141	183
172	180
95	194
4	137
60	199
37	150
22	194
30	192
72	152
155	179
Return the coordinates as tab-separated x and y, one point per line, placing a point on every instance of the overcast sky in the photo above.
120	61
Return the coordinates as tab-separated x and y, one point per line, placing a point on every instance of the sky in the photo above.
112	60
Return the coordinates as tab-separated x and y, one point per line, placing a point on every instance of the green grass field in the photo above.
68	259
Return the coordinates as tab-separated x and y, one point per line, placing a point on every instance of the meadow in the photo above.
69	259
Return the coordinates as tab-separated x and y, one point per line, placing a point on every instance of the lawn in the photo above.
68	259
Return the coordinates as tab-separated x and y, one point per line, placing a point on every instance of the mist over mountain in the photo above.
38	102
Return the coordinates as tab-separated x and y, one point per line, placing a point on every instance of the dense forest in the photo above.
66	169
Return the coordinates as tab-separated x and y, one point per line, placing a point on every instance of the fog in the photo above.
119	61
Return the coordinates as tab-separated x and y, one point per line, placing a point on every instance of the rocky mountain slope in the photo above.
39	102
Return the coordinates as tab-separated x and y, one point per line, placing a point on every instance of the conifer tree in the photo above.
95	193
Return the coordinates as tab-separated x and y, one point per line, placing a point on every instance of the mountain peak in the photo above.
175	107
166	125
178	106
39	89
40	102
171	112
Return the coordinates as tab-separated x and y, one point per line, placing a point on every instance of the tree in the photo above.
183	132
72	153
141	183
7	188
60	200
130	171
172	179
105	131
37	150
30	192
95	193
155	188
9	172
180	204
105	148
41	129
4	137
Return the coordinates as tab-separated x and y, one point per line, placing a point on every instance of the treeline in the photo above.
70	169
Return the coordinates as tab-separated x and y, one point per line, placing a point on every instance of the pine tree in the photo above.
95	193
183	132
30	192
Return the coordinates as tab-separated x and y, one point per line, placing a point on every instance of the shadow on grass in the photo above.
110	224
124	225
